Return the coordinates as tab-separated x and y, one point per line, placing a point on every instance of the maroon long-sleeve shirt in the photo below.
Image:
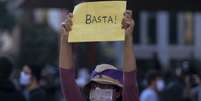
72	92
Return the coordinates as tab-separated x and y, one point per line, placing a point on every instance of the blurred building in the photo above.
173	36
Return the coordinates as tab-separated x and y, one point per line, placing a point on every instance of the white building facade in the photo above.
186	37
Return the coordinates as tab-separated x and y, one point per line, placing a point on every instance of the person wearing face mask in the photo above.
105	85
29	80
107	82
196	90
154	85
8	91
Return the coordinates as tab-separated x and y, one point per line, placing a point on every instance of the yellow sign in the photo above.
98	21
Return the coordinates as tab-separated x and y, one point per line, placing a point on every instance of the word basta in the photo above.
91	19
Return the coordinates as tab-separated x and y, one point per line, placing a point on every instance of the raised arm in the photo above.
65	52
129	58
130	90
70	90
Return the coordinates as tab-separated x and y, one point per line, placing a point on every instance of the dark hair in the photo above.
6	67
152	76
36	71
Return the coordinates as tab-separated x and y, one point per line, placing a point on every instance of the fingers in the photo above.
127	20
70	15
67	24
124	24
128	14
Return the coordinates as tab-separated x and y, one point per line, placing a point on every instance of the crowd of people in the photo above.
174	85
31	83
35	83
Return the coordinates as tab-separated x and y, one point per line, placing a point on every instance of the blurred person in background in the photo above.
176	85
107	82
30	80
155	84
83	77
196	90
8	91
50	83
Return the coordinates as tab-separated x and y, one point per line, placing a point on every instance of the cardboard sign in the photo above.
98	21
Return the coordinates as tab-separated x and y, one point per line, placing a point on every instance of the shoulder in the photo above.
196	90
148	93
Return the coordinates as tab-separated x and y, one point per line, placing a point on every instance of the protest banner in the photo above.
98	21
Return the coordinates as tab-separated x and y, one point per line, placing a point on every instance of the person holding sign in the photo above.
107	82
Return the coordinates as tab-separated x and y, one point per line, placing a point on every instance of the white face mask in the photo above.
25	79
99	94
160	85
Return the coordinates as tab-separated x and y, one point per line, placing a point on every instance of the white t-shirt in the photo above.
149	95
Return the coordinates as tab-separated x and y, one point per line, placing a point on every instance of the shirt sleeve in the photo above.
69	88
130	89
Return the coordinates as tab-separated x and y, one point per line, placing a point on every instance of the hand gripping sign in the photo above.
98	21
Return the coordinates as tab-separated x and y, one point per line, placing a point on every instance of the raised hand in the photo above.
128	23
67	25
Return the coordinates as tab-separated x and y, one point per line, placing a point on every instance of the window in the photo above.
152	35
173	31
